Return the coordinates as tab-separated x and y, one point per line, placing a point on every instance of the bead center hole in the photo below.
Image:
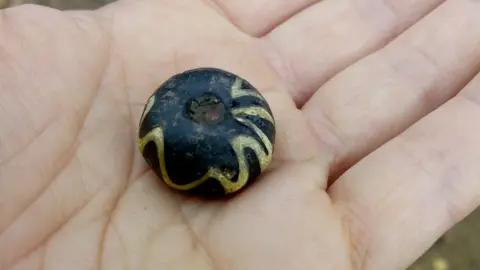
207	109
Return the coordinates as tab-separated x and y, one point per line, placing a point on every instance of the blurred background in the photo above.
458	249
60	4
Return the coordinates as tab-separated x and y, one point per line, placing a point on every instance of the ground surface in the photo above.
458	249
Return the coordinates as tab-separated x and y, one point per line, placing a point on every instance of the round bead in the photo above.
207	132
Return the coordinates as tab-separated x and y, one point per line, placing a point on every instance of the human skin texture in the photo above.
377	145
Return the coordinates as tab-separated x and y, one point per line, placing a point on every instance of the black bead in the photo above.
207	132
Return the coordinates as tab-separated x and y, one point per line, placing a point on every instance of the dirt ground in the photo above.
458	249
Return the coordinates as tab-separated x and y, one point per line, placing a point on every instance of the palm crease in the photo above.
76	194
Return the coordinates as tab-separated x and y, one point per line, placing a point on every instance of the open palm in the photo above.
362	177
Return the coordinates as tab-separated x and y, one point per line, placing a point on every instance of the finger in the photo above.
258	17
333	34
405	195
380	96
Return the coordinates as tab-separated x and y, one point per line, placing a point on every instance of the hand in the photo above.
377	151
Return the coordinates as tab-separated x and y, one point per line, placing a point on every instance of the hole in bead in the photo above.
206	109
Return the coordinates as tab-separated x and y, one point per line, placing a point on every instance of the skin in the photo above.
377	148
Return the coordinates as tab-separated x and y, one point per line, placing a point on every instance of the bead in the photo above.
207	132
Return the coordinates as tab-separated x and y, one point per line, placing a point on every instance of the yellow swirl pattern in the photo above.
255	111
149	106
237	91
156	136
238	143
